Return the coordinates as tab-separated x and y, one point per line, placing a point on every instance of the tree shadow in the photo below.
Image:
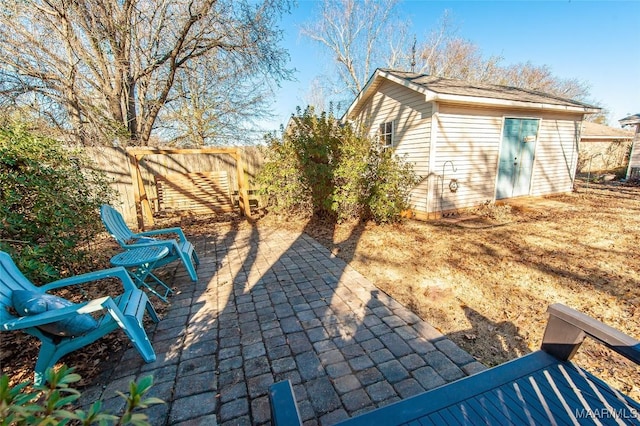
490	340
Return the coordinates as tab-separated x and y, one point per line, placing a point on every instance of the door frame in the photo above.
535	152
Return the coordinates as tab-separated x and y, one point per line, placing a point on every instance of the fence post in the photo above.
140	195
242	185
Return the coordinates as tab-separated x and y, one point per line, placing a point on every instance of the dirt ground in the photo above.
483	277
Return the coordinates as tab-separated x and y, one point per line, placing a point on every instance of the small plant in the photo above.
49	404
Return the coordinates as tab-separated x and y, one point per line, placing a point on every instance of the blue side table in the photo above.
140	262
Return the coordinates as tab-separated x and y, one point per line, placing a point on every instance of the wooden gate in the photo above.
202	192
190	187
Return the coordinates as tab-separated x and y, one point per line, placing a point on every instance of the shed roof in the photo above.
632	119
459	91
595	131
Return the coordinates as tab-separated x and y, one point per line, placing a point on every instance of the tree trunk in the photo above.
132	120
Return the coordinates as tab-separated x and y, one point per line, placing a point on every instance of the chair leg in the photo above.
47	357
152	312
130	320
138	338
195	258
188	264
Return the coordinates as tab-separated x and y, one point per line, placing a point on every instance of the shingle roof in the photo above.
464	88
632	119
600	131
446	90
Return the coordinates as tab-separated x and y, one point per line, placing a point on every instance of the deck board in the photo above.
596	393
501	402
542	390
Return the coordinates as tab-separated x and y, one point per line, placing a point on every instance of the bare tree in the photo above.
540	78
215	107
445	54
357	33
458	58
318	94
107	68
363	35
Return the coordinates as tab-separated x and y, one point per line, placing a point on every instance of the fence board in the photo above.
202	192
114	162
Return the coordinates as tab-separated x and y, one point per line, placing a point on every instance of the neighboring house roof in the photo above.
630	120
595	131
458	91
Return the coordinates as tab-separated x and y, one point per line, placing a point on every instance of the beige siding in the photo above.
471	138
556	156
471	141
412	117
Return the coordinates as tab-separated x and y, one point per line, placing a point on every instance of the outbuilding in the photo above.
472	143
632	122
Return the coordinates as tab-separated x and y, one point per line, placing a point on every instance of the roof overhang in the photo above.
430	96
506	103
378	77
632	120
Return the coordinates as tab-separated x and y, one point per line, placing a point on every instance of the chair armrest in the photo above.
177	231
118	272
567	329
55	315
284	411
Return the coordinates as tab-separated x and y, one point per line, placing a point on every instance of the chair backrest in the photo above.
115	224
11	279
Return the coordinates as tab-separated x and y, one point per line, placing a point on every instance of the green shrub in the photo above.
49	404
49	204
322	167
280	179
297	176
391	180
351	176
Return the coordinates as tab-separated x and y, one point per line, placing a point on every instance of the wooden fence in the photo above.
633	169
602	155
115	163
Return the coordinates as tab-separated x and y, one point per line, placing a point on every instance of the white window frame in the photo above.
385	134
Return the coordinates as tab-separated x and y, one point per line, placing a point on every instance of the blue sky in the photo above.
594	41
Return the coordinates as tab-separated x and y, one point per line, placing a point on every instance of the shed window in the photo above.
386	134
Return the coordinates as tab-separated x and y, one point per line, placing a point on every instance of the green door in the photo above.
516	157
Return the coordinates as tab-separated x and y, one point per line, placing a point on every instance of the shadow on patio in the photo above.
271	305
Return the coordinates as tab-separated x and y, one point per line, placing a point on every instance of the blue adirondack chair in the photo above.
178	249
63	327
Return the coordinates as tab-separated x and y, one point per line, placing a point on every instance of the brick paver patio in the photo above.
278	305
